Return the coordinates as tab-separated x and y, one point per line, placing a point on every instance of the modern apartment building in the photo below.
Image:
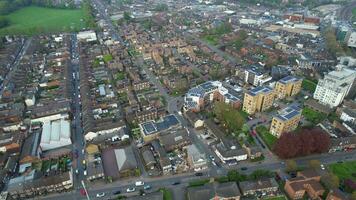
288	86
286	120
333	88
258	99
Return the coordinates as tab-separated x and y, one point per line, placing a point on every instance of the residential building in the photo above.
286	120
351	42
196	160
256	76
214	190
336	195
348	115
87	36
30	151
119	162
150	130
288	86
333	88
55	134
343	144
306	182
258	99
197	97
262	187
174	139
27	186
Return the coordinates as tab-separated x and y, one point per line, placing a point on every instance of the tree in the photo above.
353	196
234	175
330	180
291	166
302	143
127	16
257	174
315	164
231	118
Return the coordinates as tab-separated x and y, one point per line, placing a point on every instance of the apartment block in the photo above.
288	86
258	99
333	88
286	120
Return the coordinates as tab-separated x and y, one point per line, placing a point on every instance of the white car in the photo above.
322	167
131	190
100	195
139	183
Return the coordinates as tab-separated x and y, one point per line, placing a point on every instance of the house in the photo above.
175	139
150	130
306	182
148	157
214	190
164	161
30	151
262	187
119	162
348	115
336	195
148	196
196	160
23	187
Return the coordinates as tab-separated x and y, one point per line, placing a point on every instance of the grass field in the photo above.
344	170
31	20
266	136
313	116
276	198
309	85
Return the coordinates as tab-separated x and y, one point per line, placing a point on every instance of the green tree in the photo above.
314	164
330	180
234	175
257	174
291	166
231	118
127	16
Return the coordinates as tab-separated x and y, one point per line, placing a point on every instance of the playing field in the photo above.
33	20
344	170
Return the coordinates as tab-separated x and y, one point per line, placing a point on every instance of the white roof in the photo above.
55	134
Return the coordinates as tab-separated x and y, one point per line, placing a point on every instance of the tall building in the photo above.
332	89
288	86
256	76
286	120
258	99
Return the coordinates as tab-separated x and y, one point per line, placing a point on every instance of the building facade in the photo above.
286	120
288	86
258	99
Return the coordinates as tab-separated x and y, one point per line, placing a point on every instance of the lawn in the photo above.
167	194
346	170
313	116
266	136
309	85
32	20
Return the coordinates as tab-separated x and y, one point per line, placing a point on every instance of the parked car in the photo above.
131	190
139	183
176	183
322	167
117	192
243	168
199	174
99	195
147	187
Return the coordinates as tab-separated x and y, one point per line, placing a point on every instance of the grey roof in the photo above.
289	79
211	190
30	146
149	196
258	184
289	113
260	89
125	159
167	122
350	112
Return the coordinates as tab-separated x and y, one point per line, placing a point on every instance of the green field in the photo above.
266	136
276	198
31	20
344	170
309	85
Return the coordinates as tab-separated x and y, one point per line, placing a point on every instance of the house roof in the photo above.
288	113
125	159
258	184
211	190
259	90
30	146
309	173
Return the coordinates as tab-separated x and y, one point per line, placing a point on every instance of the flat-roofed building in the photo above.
258	99
150	130
288	86
286	120
55	134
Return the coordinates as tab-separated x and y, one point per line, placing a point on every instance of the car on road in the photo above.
147	187
117	192
99	195
176	183
132	189
212	157
243	168
199	174
139	183
322	167
85	172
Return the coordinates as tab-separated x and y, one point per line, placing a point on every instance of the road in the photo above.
78	138
15	64
345	13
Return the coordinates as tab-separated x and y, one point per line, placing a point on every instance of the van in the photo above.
139	183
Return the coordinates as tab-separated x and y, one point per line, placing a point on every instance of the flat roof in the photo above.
289	79
289	112
258	90
166	122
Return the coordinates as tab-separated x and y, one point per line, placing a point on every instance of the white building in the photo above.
196	159
352	40
335	86
87	36
55	134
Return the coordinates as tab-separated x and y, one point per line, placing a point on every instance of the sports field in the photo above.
33	20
